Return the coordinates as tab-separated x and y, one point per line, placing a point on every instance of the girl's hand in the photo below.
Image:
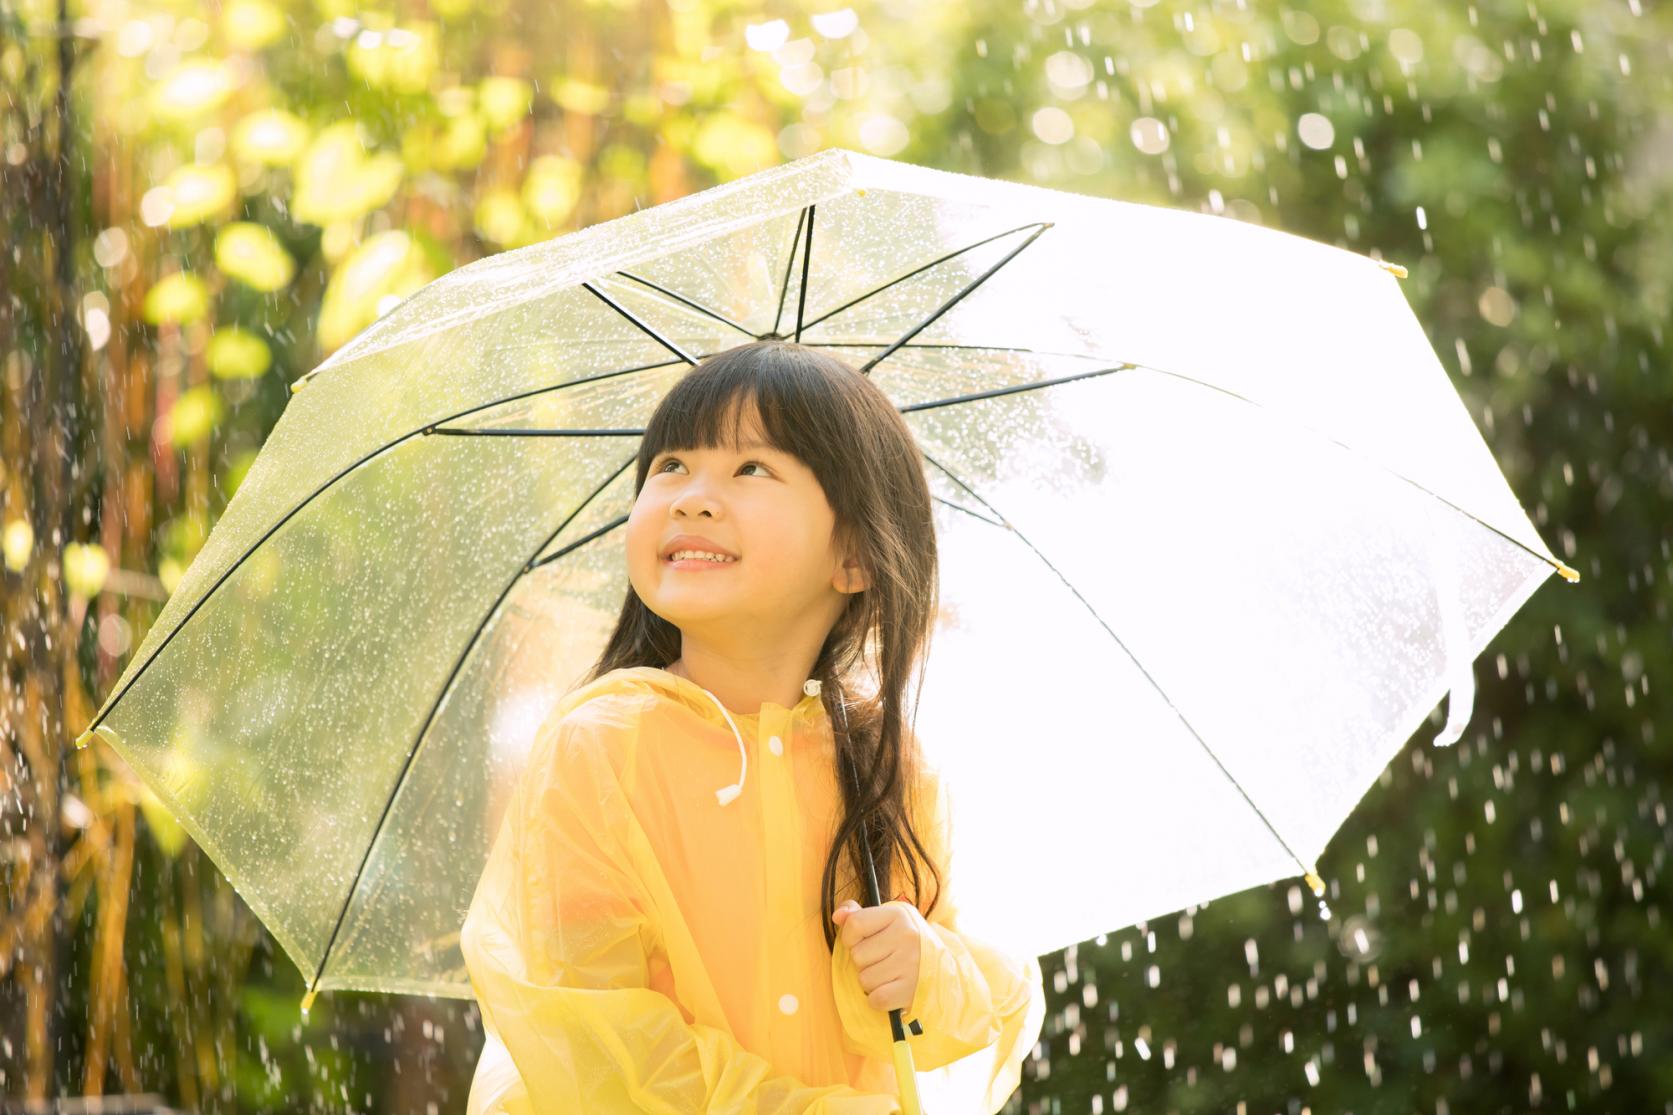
886	943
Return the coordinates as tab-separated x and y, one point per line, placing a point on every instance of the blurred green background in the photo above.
220	194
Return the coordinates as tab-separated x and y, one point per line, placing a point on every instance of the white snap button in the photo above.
787	1004
776	745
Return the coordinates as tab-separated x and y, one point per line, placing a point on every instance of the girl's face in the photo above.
787	583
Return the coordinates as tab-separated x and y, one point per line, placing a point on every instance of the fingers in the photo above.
890	996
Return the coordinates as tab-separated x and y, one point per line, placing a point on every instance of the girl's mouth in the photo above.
691	563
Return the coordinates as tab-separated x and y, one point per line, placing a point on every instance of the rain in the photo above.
203	205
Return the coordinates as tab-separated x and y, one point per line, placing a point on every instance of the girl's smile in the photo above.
695	564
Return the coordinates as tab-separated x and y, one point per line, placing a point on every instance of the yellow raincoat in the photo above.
646	934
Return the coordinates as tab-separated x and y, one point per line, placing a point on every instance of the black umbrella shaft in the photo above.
874	894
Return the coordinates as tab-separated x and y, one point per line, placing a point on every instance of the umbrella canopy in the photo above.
1217	534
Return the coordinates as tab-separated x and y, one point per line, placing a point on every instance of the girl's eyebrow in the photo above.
747	447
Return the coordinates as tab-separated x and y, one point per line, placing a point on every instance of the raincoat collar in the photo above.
689	692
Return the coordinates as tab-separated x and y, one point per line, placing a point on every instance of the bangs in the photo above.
708	408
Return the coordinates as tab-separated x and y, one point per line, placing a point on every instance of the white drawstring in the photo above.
726	795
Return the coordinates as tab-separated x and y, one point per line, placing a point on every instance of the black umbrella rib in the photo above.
1278	415
1134	658
968	511
897	280
110	705
524	431
1275	416
934	346
641	326
578	543
435	706
789	267
684	301
953	301
1014	389
807	266
528	431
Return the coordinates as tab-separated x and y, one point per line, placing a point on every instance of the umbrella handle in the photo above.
906	1074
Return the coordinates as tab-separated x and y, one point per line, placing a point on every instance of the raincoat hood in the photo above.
653	680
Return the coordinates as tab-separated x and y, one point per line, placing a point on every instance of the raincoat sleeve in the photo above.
970	995
558	943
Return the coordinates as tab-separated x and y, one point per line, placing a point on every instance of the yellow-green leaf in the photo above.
176	299
456	100
500	218
170	837
401	59
735	146
337	181
18	542
194	414
86	567
184	535
197	192
169	572
552	188
370	280
575	95
251	24
462	144
232	478
271	137
505	101
251	254
235	353
195	87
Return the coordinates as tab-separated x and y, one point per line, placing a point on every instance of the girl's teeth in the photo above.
688	555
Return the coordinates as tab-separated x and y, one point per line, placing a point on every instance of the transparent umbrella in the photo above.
1217	534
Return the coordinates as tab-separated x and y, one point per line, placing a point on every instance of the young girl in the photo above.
671	919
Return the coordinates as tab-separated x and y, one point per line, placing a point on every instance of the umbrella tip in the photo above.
1399	272
1570	574
84	739
298	385
308	1000
1315	882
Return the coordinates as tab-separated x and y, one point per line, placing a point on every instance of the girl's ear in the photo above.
852	577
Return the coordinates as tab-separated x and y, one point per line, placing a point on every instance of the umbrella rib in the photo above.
967	511
789	267
435	706
807	265
1131	656
704	310
111	704
954	300
529	431
962	348
646	329
1014	389
1277	415
578	543
919	270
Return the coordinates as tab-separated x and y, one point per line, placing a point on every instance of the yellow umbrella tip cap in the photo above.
298	385
1315	882
1569	573
308	1000
1399	272
84	739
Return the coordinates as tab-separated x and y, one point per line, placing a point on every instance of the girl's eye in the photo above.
663	467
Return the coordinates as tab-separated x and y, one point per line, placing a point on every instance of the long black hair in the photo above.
825	413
